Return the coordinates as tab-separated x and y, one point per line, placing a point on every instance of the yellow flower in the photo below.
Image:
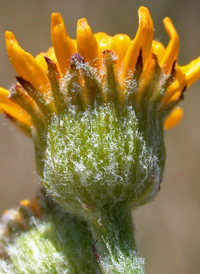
95	49
96	108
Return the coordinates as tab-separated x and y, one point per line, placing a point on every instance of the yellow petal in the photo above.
121	45
12	109
86	43
75	43
174	118
172	49
99	36
64	47
25	64
102	42
40	59
105	42
192	71
143	40
51	54
177	86
175	96
158	49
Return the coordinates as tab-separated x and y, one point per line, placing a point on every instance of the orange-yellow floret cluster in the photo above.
92	48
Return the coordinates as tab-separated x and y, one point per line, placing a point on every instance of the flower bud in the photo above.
39	237
96	109
103	153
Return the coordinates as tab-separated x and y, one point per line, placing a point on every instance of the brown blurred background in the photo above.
168	229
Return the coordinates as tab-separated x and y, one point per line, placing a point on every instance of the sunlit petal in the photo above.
143	40
63	46
86	43
174	118
172	49
191	71
25	64
12	109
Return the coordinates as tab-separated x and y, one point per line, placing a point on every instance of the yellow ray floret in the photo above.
172	49
25	64
121	43
150	56
86	43
178	85
191	71
15	111
64	47
104	41
41	60
174	118
143	40
101	40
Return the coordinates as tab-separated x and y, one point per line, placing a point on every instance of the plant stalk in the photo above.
115	246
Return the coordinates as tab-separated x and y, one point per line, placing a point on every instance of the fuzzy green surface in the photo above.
56	242
7	267
96	158
115	245
53	248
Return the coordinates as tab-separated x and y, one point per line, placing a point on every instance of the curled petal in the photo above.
143	40
64	47
177	86
172	49
40	58
25	64
12	109
121	45
86	43
21	98
158	49
191	71
174	118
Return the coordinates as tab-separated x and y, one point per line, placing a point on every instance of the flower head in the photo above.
96	108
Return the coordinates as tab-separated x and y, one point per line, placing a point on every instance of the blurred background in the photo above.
168	229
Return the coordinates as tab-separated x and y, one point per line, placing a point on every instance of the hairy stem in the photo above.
115	247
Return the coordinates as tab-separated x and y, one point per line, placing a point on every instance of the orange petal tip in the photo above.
174	118
57	20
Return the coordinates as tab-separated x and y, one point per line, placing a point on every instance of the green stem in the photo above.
115	246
